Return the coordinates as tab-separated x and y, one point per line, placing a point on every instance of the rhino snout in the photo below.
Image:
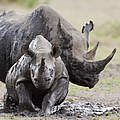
47	79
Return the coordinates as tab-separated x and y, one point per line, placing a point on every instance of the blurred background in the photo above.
106	16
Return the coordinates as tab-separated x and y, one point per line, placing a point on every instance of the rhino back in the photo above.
15	29
8	28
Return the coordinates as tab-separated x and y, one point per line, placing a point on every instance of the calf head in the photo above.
42	66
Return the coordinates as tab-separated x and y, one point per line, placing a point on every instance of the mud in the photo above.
84	109
71	109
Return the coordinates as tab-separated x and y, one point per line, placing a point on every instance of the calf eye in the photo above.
51	72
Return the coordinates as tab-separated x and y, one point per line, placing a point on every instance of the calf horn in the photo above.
42	68
91	54
98	66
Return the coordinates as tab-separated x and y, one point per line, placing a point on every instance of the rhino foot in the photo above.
25	102
28	107
10	104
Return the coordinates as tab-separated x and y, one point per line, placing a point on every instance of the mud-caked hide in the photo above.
42	72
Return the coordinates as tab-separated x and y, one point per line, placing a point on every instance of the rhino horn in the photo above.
42	68
98	66
90	55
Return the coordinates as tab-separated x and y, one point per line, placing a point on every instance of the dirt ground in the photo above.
78	12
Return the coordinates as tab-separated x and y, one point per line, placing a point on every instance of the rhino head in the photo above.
42	66
83	69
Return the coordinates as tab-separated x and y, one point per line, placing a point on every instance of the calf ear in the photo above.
25	50
56	51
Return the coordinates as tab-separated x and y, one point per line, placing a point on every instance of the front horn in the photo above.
42	68
98	66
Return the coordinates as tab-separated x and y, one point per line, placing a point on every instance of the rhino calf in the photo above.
39	79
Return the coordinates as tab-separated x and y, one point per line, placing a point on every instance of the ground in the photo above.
105	14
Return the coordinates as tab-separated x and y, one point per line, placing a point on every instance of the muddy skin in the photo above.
38	80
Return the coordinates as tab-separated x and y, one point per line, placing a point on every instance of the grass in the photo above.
107	116
12	117
108	33
73	89
29	3
110	29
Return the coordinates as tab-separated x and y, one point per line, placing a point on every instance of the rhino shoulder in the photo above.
17	71
61	70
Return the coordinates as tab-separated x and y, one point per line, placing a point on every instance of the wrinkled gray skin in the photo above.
15	29
39	79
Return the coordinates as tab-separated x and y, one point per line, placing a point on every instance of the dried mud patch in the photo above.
70	110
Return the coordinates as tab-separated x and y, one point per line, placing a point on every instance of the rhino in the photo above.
15	29
39	79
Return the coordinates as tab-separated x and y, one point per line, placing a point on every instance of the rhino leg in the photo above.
55	97
86	29
10	104
25	101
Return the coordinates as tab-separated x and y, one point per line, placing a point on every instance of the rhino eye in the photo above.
32	73
88	79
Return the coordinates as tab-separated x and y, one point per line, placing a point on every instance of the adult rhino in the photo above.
15	29
39	79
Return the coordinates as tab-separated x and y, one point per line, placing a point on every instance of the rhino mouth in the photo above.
89	83
42	83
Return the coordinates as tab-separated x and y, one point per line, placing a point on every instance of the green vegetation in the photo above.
110	29
73	89
109	33
29	3
107	116
12	117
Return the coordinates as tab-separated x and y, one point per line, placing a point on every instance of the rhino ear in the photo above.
56	51
25	50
